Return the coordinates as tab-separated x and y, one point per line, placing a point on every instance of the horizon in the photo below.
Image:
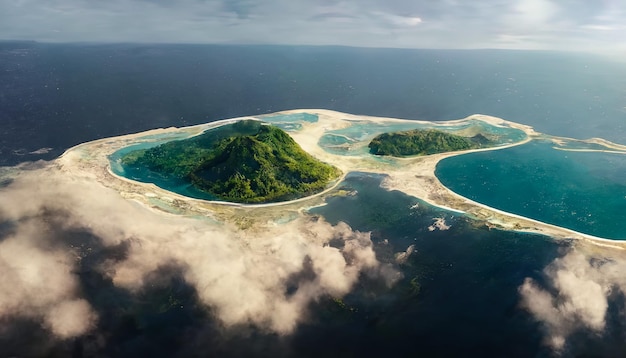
137	43
489	24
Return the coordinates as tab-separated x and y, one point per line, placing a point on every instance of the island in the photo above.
338	139
423	142
253	163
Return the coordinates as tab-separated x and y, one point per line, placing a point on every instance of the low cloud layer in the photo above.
267	279
575	295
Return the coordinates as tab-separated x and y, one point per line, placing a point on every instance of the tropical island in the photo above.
112	161
423	142
254	163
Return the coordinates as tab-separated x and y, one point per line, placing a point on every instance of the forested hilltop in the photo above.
259	163
423	142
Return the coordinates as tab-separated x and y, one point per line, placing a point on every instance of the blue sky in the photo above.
579	25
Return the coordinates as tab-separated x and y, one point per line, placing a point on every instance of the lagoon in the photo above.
582	191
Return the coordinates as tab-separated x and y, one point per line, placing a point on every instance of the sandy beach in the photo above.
414	176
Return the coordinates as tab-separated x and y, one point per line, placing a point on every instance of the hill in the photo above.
262	165
423	142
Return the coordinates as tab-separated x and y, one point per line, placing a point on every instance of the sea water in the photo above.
582	191
56	96
457	295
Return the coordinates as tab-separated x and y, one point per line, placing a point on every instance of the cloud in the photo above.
535	24
264	277
70	318
393	20
534	12
575	296
245	278
37	282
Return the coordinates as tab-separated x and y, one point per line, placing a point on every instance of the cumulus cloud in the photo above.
575	295
265	277
37	282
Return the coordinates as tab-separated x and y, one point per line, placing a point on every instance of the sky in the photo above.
570	25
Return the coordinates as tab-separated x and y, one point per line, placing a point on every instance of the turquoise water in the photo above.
578	145
144	175
289	122
583	191
290	118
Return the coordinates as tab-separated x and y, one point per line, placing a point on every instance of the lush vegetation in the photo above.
259	163
423	142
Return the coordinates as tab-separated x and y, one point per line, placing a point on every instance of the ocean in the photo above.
459	291
56	96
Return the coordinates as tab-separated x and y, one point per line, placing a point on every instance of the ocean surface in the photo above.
582	191
459	292
56	96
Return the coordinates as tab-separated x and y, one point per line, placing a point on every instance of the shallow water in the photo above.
583	191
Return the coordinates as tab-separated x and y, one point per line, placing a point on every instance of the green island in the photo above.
254	163
423	142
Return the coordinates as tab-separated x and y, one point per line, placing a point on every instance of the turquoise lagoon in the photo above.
582	191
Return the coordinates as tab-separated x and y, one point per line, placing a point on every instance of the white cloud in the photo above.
534	12
70	318
37	282
397	20
578	297
246	277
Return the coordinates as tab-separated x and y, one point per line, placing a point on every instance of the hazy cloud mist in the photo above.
266	278
37	282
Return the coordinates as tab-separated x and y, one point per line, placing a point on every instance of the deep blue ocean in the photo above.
459	295
56	96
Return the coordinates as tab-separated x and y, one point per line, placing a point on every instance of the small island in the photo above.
423	142
256	163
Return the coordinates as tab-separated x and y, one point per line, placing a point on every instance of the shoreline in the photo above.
414	176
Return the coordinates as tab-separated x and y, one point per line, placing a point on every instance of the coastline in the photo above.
413	175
